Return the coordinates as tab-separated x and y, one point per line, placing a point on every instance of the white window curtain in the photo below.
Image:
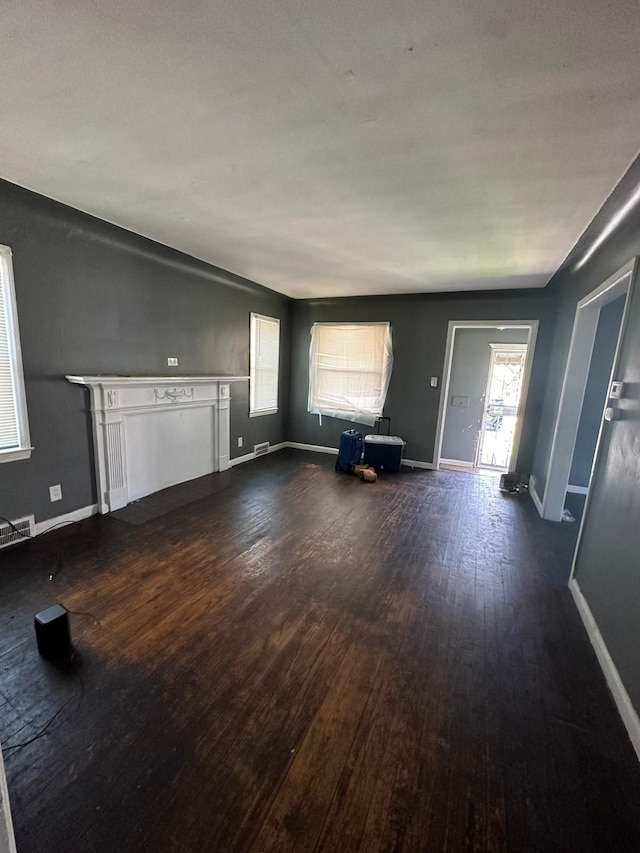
264	363
349	370
14	429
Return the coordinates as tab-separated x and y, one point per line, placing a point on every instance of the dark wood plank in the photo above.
284	658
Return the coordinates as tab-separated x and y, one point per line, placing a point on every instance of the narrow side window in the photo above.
264	364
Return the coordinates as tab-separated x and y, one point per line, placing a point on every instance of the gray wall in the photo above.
419	327
607	567
559	349
469	373
570	284
595	393
94	298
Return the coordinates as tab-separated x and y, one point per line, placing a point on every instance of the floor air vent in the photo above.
8	535
261	449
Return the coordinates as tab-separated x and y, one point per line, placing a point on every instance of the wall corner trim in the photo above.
280	446
621	697
534	496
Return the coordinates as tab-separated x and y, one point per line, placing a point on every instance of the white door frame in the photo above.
574	384
454	325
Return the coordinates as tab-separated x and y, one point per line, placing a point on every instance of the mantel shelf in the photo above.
152	380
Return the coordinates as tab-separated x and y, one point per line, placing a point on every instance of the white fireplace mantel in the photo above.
151	432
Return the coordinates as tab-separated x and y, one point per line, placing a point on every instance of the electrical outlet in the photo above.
240	441
55	493
172	362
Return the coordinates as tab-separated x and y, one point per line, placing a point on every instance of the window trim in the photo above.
253	412
23	451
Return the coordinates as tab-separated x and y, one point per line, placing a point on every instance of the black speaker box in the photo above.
53	634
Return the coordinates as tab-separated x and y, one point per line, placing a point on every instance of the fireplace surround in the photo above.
151	432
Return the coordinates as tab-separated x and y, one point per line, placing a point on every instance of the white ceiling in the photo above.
329	147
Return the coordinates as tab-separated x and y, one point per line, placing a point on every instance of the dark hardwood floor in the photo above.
297	661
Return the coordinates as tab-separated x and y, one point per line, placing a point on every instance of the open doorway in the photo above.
501	404
592	353
486	377
596	393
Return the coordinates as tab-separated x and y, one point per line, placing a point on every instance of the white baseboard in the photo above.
274	447
249	456
415	463
7	838
578	490
67	518
534	496
459	462
240	459
319	448
316	448
621	697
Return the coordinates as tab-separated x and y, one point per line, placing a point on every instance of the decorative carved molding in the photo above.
174	395
112	398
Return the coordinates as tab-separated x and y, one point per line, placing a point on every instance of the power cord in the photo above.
57	567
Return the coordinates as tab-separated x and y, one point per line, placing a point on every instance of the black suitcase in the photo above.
350	450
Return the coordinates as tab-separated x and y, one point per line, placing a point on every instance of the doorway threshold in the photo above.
469	469
493	469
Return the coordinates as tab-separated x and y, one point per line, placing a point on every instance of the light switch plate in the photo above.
55	493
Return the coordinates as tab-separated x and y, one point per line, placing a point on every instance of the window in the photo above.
264	360
14	428
349	370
